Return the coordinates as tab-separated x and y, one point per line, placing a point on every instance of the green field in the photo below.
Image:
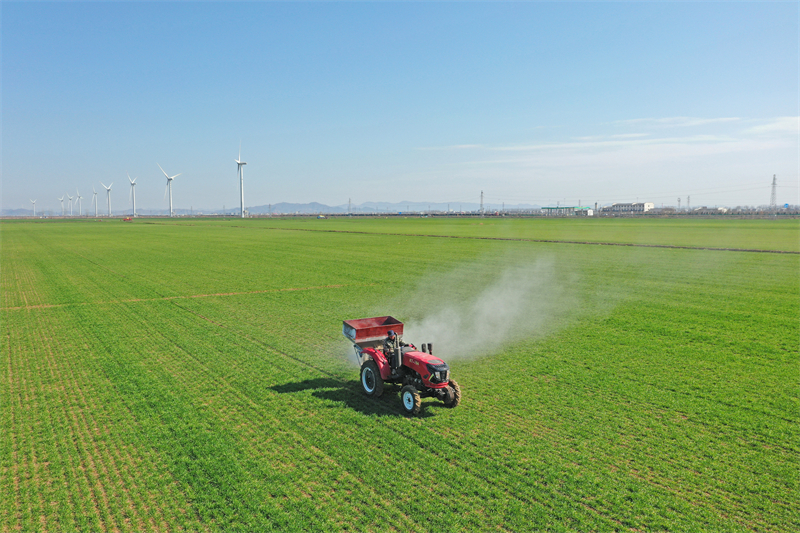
191	374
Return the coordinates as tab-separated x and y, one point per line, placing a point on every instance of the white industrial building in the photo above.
637	208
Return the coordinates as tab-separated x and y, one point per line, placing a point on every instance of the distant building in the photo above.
567	211
710	210
629	209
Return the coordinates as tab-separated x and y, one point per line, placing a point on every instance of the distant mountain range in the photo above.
303	209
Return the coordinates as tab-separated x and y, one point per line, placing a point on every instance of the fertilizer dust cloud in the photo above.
480	307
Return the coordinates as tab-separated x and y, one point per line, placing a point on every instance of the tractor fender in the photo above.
383	364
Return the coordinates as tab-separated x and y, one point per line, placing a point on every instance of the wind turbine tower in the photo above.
62	205
133	192
240	168
34	207
169	186
94	199
70	204
108	195
773	201
78	199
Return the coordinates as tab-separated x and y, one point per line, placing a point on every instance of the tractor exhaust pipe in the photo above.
424	348
397	360
430	348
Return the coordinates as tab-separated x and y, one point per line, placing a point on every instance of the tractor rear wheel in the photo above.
411	400
371	379
456	394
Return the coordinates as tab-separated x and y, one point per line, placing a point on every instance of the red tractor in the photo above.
421	374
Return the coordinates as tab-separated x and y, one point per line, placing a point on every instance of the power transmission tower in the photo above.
688	203
773	203
481	203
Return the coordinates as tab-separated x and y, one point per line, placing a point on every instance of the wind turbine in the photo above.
70	204
94	199
78	199
133	192
169	186
62	205
108	193
239	167
34	207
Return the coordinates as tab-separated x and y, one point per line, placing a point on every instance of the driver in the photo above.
388	344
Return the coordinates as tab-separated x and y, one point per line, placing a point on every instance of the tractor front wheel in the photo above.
371	379
411	400
453	397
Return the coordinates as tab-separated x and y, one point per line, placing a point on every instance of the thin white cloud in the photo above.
612	142
604	137
780	125
630	135
681	122
452	147
617	164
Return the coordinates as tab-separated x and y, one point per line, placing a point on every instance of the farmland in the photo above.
191	375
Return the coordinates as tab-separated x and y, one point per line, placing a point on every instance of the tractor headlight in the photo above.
439	373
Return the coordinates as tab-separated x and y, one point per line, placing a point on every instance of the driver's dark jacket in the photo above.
388	346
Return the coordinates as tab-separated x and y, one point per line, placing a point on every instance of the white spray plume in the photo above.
481	307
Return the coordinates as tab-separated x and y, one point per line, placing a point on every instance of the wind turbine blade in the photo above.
165	191
94	191
162	170
111	185
129	177
175	176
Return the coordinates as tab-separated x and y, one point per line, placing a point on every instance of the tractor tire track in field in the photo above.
510	239
184	297
465	465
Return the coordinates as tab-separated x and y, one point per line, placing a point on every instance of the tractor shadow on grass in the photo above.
351	395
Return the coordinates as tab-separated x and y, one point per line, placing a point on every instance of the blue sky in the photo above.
530	102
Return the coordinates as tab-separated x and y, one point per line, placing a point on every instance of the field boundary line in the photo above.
550	241
513	239
184	297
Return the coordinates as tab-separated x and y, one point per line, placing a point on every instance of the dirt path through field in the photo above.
181	297
513	239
